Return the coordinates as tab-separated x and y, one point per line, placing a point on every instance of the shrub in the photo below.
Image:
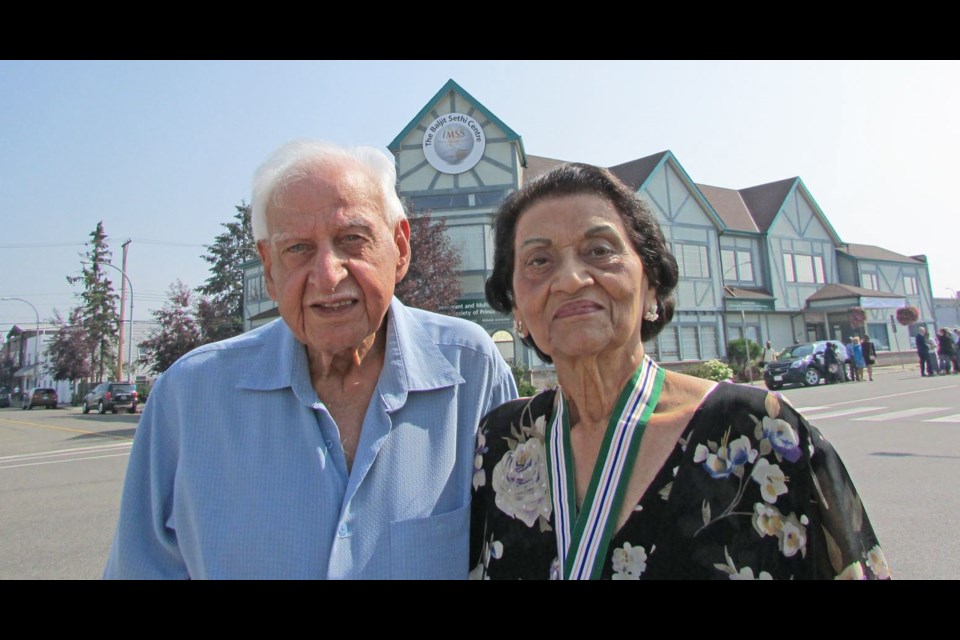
711	370
737	351
521	375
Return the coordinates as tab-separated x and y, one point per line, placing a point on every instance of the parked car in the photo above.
40	397
4	397
801	364
112	396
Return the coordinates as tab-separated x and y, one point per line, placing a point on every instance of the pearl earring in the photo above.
651	315
520	328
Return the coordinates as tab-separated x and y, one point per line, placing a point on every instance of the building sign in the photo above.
454	143
749	304
882	303
477	310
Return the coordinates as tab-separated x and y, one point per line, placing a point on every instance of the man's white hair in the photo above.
302	158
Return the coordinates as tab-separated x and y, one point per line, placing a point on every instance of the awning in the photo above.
29	371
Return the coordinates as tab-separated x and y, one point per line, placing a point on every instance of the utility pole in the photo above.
123	302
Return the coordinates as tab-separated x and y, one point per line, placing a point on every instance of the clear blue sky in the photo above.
161	152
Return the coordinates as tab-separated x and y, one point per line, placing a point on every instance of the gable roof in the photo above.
452	86
635	173
765	201
831	291
539	165
873	252
729	205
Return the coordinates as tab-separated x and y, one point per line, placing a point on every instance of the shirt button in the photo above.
343	530
329	443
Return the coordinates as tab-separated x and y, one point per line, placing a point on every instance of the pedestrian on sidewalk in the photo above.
858	362
869	354
923	352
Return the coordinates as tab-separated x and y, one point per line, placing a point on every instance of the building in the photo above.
762	262
26	349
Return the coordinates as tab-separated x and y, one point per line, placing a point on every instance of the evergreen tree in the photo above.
433	280
69	351
98	303
222	312
177	332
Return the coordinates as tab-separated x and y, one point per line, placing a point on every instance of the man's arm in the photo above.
144	545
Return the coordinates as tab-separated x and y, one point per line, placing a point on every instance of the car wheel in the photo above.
100	408
773	386
811	377
114	411
86	407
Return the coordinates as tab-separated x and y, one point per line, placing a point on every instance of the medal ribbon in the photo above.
583	538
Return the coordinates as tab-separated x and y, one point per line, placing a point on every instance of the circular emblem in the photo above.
454	143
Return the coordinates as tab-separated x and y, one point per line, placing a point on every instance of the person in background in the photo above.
858	360
923	352
336	441
945	350
869	354
627	470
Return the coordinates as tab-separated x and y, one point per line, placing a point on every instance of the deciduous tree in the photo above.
68	354
433	280
176	332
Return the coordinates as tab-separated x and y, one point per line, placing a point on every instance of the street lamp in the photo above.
36	342
130	341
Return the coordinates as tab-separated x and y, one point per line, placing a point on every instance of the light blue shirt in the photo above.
237	471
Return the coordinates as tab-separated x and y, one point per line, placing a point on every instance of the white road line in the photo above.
36	464
905	413
806	410
65	452
954	418
841	412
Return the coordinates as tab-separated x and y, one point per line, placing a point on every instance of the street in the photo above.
61	473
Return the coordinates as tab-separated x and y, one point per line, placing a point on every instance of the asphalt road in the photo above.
61	474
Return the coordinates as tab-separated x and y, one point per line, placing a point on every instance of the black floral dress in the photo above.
751	491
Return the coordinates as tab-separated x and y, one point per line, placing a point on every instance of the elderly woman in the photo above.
627	470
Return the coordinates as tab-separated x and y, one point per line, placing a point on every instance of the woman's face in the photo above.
579	285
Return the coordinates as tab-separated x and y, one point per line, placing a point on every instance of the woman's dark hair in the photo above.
583	179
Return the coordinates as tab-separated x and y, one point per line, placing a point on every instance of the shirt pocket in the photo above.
432	548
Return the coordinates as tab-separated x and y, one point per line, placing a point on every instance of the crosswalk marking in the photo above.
905	413
841	412
954	418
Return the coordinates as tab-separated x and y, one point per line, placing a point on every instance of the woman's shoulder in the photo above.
520	412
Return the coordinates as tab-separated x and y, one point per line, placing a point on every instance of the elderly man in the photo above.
336	442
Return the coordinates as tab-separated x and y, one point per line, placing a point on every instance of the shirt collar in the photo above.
412	361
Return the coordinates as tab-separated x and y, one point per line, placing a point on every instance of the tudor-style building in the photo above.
762	262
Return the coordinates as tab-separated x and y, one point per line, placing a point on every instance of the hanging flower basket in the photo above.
907	315
856	316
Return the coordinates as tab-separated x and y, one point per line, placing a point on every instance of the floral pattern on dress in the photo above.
629	562
751	491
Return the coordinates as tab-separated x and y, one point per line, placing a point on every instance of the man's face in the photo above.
331	261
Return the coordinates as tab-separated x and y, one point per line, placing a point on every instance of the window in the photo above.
869	281
878	335
256	289
692	260
504	342
788	268
467	240
446	201
800	267
668	347
737	265
910	285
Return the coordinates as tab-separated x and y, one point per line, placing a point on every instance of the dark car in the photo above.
40	397
4	397
802	364
112	396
